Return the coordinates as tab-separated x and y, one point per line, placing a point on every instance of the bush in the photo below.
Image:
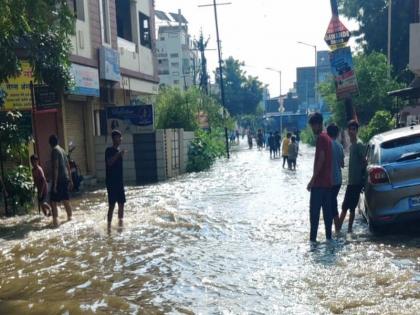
19	187
205	149
382	121
307	136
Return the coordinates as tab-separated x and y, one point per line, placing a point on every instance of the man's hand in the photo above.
309	187
71	185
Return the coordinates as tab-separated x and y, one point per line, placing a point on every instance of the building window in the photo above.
175	64
145	38
174	55
124	19
105	28
78	7
176	82
175	73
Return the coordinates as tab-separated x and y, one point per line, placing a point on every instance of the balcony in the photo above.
414	64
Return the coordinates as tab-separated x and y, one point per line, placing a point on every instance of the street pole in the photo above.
281	108
222	85
316	76
389	36
334	7
348	102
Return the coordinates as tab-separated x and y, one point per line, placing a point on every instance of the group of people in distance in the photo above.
54	186
326	180
289	148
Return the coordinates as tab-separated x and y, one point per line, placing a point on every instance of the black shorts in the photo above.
351	199
62	193
116	194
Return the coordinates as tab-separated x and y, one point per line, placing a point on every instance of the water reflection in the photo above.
233	240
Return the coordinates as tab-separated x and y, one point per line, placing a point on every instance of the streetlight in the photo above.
316	69
281	105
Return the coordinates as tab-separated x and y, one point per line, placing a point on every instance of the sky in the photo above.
261	33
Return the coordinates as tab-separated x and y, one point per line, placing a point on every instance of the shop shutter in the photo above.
75	129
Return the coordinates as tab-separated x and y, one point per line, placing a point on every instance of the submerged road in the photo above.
233	240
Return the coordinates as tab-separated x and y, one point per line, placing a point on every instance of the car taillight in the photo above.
378	175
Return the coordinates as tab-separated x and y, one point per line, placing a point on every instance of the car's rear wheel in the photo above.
374	227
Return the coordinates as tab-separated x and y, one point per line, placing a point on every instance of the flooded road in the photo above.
233	240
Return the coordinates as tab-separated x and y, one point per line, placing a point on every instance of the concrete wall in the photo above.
164	154
187	138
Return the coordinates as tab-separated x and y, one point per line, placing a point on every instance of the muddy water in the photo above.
233	240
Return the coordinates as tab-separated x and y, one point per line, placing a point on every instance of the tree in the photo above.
180	109
382	121
242	93
374	85
39	31
372	16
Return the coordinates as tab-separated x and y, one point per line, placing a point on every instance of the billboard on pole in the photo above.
343	70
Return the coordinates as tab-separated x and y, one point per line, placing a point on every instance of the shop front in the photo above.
78	106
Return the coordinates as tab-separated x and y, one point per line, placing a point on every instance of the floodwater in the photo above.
233	240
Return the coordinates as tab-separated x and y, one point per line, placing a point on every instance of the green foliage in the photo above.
374	84
179	109
13	148
307	136
19	186
13	139
205	149
382	121
372	16
39	31
243	93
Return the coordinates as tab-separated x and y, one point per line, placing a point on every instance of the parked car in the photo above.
392	192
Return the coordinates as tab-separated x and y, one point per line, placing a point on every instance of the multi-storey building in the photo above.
305	87
177	58
113	63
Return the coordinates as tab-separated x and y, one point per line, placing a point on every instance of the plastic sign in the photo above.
337	35
343	71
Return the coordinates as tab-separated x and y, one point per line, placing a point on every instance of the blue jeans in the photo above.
321	197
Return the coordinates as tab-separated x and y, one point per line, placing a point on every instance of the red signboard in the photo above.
337	35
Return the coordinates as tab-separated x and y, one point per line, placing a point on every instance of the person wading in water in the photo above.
114	177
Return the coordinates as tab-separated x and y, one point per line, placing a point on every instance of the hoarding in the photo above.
18	89
343	70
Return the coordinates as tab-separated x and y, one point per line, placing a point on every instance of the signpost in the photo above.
337	35
337	38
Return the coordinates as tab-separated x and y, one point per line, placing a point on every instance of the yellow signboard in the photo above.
18	91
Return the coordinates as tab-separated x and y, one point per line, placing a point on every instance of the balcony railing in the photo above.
126	45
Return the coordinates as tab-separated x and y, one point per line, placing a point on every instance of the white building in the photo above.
177	59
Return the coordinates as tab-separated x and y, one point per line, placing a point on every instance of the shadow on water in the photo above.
19	231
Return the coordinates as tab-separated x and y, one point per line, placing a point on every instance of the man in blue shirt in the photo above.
338	164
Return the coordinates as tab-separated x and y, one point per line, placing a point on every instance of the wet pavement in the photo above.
233	240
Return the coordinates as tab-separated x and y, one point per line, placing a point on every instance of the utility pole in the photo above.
222	85
389	36
348	100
